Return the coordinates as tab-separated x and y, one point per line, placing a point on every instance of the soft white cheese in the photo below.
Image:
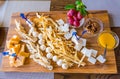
92	60
72	30
64	66
83	41
60	62
64	28
94	52
31	56
74	40
60	22
41	41
42	47
78	47
67	35
86	52
49	55
40	36
101	59
37	55
48	50
55	58
35	34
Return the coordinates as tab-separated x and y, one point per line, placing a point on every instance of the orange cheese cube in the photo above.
24	54
9	45
11	61
19	61
22	48
16	49
15	39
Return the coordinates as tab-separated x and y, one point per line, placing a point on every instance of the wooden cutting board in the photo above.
107	68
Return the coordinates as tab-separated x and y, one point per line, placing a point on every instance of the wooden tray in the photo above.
109	67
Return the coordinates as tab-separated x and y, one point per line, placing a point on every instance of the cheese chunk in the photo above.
16	49
22	49
60	62
72	30
74	40
48	50
78	47
83	41
68	35
19	61
64	66
92	60
55	58
101	59
86	52
60	22
9	45
43	47
49	55
35	34
94	52
41	41
15	39
24	54
40	36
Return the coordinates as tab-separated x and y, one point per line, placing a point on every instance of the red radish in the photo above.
70	17
79	16
72	12
76	23
71	21
75	18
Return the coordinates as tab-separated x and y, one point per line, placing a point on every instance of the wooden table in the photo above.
109	67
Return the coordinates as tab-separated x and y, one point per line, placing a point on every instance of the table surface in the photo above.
109	67
14	75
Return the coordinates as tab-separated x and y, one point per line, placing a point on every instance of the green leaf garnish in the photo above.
77	2
70	6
